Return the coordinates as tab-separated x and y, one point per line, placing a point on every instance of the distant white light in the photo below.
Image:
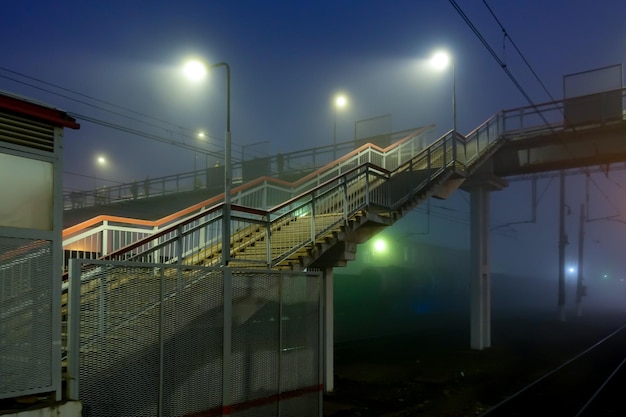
101	160
201	135
571	270
195	70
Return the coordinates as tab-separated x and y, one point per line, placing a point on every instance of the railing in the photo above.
105	234
287	166
269	237
586	111
451	150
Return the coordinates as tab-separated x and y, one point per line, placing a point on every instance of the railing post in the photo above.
268	239
265	191
179	256
73	330
454	154
105	238
313	218
367	186
345	200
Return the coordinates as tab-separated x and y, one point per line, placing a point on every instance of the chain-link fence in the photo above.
162	340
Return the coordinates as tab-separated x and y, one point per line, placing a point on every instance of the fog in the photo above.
420	293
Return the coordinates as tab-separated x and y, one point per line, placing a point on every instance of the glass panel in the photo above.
26	192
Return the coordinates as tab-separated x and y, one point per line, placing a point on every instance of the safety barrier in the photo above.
163	340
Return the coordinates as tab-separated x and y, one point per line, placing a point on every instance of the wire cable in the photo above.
507	36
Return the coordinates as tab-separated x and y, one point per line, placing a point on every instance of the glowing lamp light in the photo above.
380	246
341	101
440	60
195	70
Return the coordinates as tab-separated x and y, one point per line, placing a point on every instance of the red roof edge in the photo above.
36	111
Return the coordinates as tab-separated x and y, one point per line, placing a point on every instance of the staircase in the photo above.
340	205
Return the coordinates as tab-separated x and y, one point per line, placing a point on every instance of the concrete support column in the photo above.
480	285
329	331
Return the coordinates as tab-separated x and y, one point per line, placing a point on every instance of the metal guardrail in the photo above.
156	339
299	222
592	110
104	234
361	166
286	166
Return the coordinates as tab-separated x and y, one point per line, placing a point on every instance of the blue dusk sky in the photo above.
119	62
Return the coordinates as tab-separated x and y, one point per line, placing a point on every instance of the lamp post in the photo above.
440	60
196	70
340	102
227	171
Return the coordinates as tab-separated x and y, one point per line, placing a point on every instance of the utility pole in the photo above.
580	289
562	244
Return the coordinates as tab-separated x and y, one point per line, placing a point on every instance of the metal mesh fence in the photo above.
26	356
152	341
193	342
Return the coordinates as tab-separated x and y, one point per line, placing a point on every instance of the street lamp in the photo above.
196	70
440	61
101	161
99	194
340	103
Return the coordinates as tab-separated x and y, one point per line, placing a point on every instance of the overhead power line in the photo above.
507	36
143	134
492	52
97	100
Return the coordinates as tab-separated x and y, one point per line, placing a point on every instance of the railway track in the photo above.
590	384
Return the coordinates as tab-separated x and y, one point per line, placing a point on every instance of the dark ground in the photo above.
433	372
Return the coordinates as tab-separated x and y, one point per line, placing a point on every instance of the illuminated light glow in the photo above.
440	60
341	101
380	246
101	160
201	135
195	70
571	270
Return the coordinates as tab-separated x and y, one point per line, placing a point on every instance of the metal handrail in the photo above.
458	152
293	207
260	185
192	180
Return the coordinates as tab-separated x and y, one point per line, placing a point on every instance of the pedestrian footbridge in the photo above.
227	276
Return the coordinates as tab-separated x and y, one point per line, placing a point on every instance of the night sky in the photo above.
119	62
